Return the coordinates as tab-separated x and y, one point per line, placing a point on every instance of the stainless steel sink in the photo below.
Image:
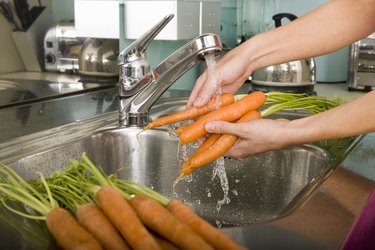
255	189
252	190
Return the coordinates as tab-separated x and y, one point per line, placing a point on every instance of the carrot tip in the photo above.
186	167
177	180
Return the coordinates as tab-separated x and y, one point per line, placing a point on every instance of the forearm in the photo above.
353	118
328	28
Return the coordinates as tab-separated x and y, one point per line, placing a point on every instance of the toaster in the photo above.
361	73
62	48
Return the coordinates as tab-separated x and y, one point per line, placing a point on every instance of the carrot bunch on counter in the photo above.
244	109
86	209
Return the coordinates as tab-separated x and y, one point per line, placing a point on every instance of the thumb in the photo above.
220	127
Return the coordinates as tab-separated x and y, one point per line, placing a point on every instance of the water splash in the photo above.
211	75
219	224
219	171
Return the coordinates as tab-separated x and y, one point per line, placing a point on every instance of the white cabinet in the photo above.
97	18
101	18
191	18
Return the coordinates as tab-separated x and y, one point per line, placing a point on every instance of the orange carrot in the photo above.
206	144
208	232
227	113
161	221
125	219
96	222
217	149
192	113
68	233
180	129
165	244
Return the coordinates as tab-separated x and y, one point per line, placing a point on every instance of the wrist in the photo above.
252	52
305	130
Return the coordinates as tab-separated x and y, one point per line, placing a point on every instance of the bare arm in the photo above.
326	29
353	118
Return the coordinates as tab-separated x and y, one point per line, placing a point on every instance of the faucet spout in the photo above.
132	60
136	103
172	68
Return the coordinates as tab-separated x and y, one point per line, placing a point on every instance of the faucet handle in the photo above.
132	60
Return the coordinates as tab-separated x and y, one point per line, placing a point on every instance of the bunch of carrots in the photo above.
86	209
230	108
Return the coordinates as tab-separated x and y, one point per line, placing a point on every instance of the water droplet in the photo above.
218	224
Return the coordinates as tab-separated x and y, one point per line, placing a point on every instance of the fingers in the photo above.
207	85
196	90
254	137
220	127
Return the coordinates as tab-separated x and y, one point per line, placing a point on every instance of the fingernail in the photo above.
209	127
199	102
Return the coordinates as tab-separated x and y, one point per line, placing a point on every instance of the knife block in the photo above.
29	43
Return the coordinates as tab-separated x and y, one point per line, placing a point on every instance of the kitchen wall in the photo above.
62	9
332	67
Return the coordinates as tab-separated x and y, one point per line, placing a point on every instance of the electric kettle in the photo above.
294	77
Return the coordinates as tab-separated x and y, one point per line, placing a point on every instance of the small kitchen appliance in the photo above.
62	47
98	60
361	73
294	77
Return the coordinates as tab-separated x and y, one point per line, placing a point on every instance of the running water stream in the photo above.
219	171
211	76
219	168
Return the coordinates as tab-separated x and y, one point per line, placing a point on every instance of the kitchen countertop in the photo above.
331	90
48	76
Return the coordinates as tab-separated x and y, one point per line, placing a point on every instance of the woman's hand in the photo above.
229	75
255	136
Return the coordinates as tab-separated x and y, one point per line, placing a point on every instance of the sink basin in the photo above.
255	189
228	192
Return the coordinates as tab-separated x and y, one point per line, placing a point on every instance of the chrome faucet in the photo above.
140	87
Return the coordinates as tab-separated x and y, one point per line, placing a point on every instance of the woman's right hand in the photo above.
228	76
256	136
